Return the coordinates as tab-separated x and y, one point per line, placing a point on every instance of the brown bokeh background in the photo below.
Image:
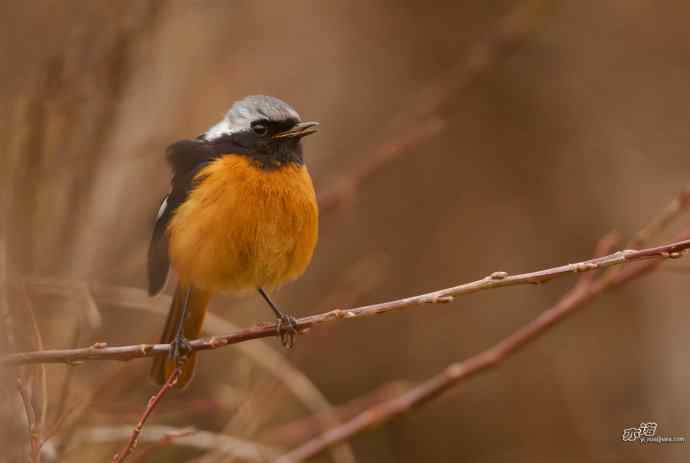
580	129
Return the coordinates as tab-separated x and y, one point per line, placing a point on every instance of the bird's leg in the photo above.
286	333
180	347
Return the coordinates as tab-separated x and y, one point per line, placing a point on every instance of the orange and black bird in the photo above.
241	215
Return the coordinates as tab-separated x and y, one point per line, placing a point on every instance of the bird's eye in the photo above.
260	129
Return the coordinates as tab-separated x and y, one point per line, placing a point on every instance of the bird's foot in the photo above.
180	348
286	329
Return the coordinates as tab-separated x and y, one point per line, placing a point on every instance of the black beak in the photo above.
298	131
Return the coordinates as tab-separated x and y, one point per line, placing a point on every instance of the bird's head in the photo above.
269	129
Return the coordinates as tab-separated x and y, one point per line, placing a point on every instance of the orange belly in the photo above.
243	227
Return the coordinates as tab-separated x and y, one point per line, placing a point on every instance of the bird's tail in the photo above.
197	303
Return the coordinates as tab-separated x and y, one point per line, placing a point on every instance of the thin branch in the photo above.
583	292
39	346
62	413
67	382
164	440
32	424
101	351
230	446
153	402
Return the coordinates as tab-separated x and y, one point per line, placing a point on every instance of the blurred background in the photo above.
457	139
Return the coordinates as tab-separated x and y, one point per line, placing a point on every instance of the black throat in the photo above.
268	155
277	154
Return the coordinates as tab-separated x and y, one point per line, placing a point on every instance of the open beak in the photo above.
298	131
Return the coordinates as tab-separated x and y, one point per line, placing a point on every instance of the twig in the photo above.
583	292
67	382
39	346
62	413
32	424
165	439
230	446
153	401
101	351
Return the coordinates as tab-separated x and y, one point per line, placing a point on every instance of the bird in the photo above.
241	215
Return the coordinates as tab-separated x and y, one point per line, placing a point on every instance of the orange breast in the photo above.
243	227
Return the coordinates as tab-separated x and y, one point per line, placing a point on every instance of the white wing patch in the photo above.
164	206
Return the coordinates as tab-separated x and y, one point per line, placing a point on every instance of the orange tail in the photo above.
196	311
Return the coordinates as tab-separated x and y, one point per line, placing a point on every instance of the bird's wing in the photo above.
186	158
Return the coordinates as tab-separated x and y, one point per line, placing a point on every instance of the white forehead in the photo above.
251	108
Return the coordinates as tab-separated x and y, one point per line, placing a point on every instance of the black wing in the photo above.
158	261
186	158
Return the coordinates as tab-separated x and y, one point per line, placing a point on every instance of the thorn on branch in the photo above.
499	275
438	299
585	267
215	342
672	254
626	253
